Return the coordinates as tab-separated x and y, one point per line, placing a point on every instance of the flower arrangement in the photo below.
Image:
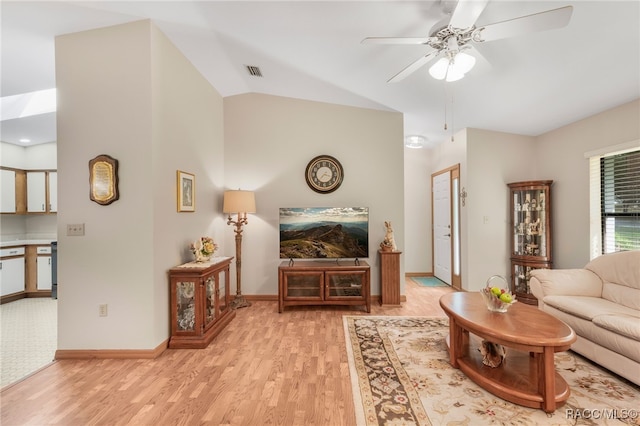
497	299
203	248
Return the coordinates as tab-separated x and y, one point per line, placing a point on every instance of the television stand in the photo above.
356	261
308	282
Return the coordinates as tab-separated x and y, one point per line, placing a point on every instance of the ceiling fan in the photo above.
450	40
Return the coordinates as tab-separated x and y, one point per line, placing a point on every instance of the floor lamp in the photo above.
241	203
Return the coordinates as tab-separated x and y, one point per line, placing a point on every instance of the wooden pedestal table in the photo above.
527	376
390	277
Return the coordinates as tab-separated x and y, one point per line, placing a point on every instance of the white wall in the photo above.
560	156
494	159
417	212
41	156
12	156
126	91
268	142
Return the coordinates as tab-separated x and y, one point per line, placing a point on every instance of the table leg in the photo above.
547	379
455	349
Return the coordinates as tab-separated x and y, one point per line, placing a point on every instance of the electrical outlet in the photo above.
102	310
75	230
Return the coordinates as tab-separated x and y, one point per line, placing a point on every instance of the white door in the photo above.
442	226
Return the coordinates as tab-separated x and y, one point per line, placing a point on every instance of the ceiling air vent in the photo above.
254	71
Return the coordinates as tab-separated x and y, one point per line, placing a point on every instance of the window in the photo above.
615	198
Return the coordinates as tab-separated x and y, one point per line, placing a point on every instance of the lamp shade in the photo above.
463	63
452	68
239	202
439	69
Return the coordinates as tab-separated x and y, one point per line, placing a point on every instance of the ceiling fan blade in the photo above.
467	13
409	69
396	40
543	21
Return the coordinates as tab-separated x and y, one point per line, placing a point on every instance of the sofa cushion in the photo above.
588	307
587	330
622	324
569	282
620	268
621	294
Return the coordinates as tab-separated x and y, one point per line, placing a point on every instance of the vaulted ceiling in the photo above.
312	50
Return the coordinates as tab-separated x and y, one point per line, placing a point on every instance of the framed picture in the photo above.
186	192
103	180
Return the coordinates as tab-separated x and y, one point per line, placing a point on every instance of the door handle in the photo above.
447	235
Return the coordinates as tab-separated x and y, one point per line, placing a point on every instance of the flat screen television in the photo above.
324	233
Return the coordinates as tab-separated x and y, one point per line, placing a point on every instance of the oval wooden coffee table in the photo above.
527	376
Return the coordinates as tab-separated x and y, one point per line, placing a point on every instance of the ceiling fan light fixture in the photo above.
415	141
452	68
463	62
439	69
453	75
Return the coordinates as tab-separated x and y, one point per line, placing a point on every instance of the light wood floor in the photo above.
265	368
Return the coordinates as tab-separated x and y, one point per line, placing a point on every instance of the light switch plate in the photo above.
75	230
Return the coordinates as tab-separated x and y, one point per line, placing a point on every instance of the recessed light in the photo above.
23	140
415	141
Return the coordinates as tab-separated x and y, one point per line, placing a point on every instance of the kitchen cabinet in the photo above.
8	188
53	191
36	192
12	268
28	191
42	191
43	268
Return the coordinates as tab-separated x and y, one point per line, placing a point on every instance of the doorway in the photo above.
445	217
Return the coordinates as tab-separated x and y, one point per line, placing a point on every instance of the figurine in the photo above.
493	354
389	240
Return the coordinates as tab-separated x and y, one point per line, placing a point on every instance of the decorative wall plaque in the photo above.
103	180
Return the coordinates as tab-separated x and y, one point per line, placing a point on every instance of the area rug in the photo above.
428	282
400	374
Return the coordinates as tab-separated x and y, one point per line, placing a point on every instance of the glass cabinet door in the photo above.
209	301
345	284
222	292
303	284
186	308
529	223
521	273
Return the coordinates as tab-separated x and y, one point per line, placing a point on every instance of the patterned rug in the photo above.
401	375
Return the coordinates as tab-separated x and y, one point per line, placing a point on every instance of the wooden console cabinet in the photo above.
323	282
200	300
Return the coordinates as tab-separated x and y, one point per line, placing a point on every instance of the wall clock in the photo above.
324	174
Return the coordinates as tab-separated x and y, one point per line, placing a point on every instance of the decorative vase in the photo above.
200	258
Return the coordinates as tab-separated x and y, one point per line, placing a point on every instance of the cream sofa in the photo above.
601	303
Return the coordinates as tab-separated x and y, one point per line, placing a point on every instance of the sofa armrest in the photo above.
565	282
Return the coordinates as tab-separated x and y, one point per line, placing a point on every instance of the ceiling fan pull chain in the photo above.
452	112
446	96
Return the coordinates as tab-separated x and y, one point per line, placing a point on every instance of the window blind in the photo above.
620	201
